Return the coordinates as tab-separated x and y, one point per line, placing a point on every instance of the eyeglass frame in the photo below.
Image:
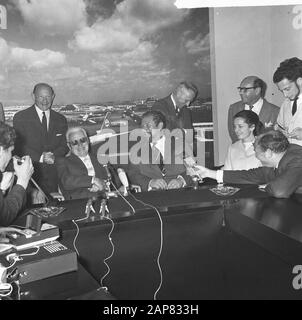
244	89
78	142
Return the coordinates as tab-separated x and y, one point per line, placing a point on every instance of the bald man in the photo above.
41	135
252	91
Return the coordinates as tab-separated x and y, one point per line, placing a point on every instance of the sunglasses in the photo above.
80	141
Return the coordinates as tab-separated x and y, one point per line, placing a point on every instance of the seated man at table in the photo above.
80	174
281	171
12	199
161	166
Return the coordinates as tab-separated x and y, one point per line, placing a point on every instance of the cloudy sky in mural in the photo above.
102	50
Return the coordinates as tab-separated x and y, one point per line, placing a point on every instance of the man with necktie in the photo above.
41	135
161	167
252	91
175	106
288	78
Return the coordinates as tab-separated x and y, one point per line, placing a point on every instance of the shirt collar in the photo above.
40	112
256	106
160	144
174	103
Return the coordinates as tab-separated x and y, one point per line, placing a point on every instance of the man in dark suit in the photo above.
80	174
41	135
161	166
12	201
175	106
281	171
252	91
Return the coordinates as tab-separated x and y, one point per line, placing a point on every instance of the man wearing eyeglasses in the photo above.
80	174
252	91
288	78
41	135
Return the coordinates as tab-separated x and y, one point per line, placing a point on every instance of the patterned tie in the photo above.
294	108
44	121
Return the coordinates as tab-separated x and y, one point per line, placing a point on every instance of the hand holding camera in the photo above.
23	170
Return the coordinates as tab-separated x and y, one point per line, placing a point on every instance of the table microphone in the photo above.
124	180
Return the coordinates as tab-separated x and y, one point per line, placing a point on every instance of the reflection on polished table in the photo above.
242	246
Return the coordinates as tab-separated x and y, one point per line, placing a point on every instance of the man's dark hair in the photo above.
274	140
259	83
157	117
251	118
42	85
290	69
7	135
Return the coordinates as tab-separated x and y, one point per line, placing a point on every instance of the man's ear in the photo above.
33	96
299	82
269	153
160	126
258	91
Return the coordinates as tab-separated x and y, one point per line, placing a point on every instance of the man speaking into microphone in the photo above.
12	199
80	174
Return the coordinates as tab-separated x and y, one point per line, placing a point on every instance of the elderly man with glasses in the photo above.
252	91
80	174
288	78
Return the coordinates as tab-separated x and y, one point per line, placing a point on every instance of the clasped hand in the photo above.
161	184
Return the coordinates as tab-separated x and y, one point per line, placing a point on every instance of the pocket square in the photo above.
59	134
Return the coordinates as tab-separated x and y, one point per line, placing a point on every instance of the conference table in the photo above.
189	244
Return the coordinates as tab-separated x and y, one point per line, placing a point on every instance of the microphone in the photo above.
124	180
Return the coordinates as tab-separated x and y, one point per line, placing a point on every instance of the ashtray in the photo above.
224	191
46	212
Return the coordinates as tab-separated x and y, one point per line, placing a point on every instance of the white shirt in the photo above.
40	114
159	145
241	156
174	103
88	164
256	106
288	121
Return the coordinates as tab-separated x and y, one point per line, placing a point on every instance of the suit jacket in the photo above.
141	174
268	115
11	204
32	140
73	176
182	120
281	182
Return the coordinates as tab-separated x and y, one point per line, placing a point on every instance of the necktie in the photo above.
294	108
44	121
251	107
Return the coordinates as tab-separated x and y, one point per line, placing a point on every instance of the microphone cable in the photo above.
161	243
109	257
78	230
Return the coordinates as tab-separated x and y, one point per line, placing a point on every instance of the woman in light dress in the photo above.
241	154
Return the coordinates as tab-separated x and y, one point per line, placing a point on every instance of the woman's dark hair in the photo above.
7	135
251	118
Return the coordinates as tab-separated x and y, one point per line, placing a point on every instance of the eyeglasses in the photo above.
244	89
80	141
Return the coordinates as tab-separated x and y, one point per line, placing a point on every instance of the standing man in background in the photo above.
41	135
288	78
252	91
175	106
2	117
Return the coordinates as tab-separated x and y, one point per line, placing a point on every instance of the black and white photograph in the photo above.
150	153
